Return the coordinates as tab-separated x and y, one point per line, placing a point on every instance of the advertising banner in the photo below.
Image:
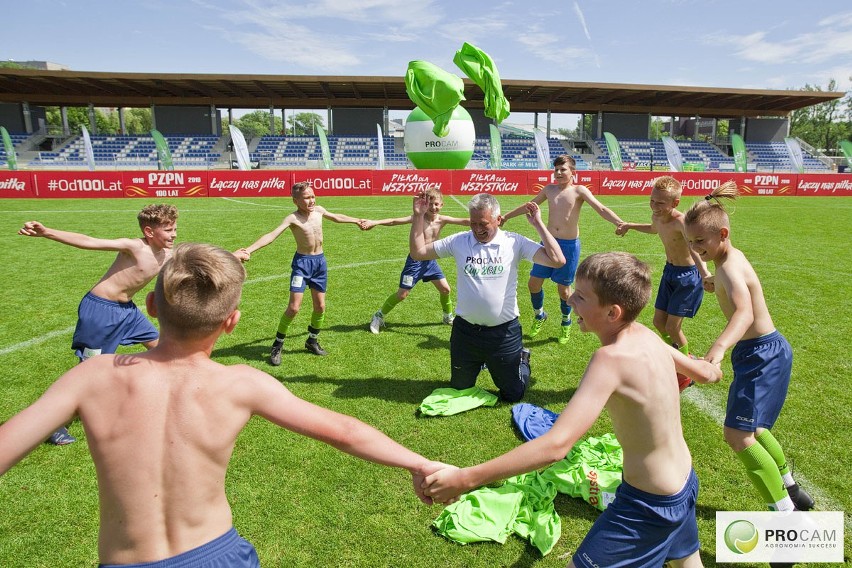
410	182
614	151
339	182
536	180
163	153
590	179
503	182
78	184
824	184
165	184
252	183
767	184
16	184
697	183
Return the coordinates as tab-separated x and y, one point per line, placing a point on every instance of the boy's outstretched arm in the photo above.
245	253
697	369
739	322
621	229
595	388
78	240
367	224
601	209
271	400
522	209
339	217
465	222
31	426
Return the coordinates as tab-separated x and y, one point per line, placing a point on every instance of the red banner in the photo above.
16	184
341	182
165	184
537	179
78	184
697	183
824	184
410	182
496	182
590	179
766	184
253	183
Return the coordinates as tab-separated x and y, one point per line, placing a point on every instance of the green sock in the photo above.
284	324
773	448
667	338
446	303
390	303
317	319
684	348
763	474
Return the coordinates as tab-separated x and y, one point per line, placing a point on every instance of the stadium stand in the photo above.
129	151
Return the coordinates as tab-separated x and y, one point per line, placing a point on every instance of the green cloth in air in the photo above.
480	69
591	471
448	401
435	91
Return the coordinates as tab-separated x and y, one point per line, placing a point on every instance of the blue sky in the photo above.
753	44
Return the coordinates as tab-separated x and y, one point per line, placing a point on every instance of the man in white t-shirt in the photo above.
486	329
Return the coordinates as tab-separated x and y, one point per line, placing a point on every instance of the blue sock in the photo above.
537	299
566	312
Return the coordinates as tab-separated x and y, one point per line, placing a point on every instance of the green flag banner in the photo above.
614	151
846	147
326	153
11	158
496	148
740	155
480	69
163	153
435	91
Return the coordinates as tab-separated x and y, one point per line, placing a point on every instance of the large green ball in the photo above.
429	152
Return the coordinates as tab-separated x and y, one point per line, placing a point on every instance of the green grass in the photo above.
304	504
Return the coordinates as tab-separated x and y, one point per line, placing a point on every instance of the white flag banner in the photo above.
673	154
381	145
240	148
542	151
795	151
90	153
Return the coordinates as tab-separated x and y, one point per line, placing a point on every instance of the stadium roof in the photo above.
81	88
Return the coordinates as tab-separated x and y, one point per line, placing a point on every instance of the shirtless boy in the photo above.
309	268
162	425
416	270
625	376
564	201
107	316
685	275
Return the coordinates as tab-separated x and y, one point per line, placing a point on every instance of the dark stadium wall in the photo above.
623	125
187	120
766	129
12	117
356	121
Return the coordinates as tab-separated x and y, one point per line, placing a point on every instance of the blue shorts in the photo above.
103	325
498	347
762	369
416	270
564	274
308	270
228	551
681	291
642	529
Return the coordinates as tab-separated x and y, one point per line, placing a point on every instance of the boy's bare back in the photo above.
740	296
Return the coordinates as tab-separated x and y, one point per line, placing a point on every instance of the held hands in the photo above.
709	283
621	229
445	485
421	204
715	355
533	213
366	224
242	254
32	229
419	476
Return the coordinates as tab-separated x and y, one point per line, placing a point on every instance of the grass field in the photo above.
304	504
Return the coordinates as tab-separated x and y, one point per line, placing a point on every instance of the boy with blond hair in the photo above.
564	201
107	316
685	275
632	376
309	268
762	359
162	425
416	270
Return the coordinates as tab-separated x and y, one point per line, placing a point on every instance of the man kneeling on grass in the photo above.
162	425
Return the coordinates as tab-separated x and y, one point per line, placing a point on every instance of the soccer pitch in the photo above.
302	503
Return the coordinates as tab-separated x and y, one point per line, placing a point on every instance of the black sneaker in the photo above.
800	498
61	437
275	354
314	347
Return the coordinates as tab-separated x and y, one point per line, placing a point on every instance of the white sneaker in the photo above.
377	323
448	319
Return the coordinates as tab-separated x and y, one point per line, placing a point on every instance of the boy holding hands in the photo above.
564	201
162	425
629	376
762	359
309	268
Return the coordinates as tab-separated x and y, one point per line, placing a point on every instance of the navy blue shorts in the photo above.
416	270
681	291
564	274
498	347
762	368
227	551
103	325
308	270
642	529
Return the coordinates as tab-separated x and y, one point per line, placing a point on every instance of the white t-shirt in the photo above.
487	274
